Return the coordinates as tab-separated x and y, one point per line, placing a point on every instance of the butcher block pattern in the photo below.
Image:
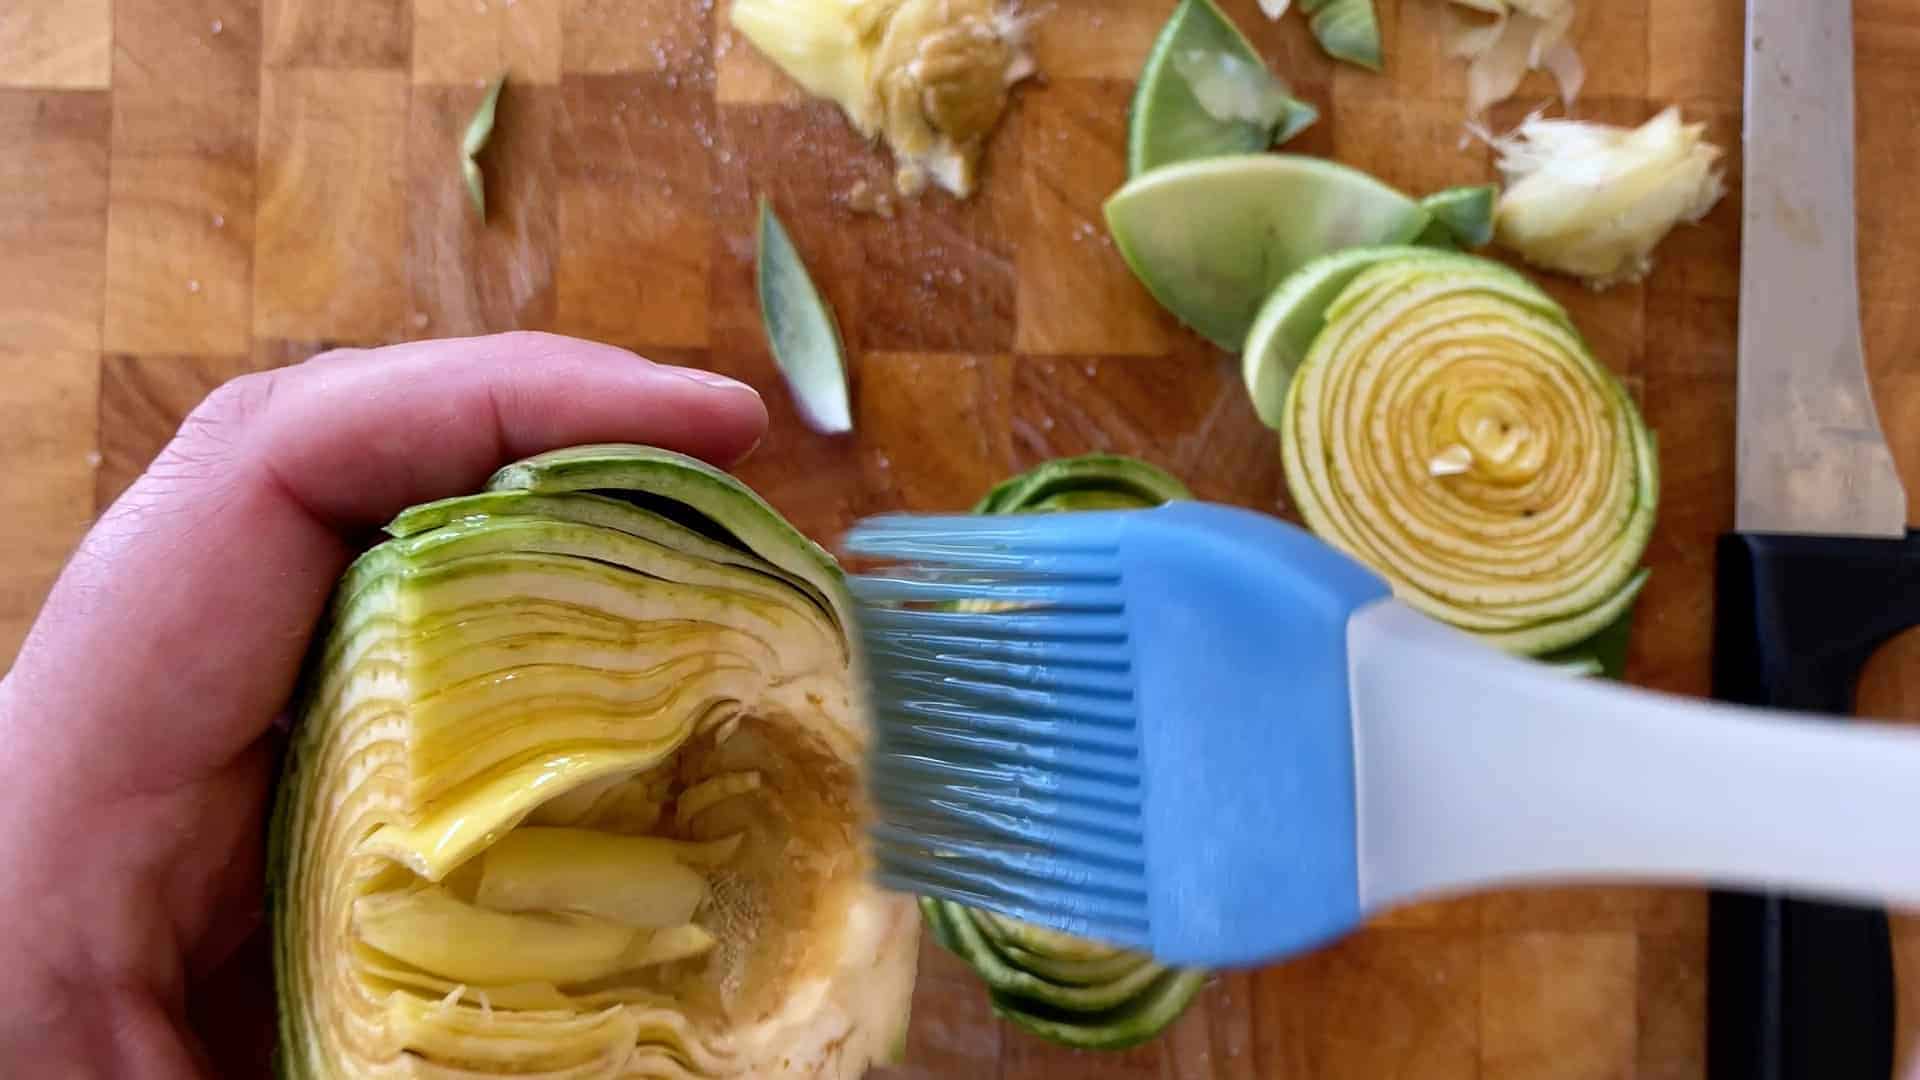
194	189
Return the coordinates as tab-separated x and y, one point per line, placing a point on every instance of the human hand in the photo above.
137	727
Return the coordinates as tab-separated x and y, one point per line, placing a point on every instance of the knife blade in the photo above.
1811	457
1821	569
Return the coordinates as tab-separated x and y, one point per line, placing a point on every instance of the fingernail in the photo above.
713	379
748	452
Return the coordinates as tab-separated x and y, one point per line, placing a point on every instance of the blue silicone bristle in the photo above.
1006	766
1015	721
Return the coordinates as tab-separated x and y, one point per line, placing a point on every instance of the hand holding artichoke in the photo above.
137	725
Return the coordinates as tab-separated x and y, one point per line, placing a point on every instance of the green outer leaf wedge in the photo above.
801	330
1462	216
1347	29
1210	239
1167	124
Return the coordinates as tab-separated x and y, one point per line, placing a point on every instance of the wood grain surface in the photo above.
192	189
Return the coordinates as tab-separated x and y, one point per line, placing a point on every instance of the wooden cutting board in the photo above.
191	189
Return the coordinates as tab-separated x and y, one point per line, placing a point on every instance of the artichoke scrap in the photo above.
1085	994
576	793
1523	36
930	77
1594	200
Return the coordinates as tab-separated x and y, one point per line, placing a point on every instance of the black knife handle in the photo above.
1798	990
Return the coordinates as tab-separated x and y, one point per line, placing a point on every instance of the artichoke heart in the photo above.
1448	427
576	792
1079	993
931	77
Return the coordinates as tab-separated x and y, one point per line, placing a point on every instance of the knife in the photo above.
1821	569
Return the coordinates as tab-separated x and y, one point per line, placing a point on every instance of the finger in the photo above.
435	418
191	602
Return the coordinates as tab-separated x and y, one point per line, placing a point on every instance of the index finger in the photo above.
196	593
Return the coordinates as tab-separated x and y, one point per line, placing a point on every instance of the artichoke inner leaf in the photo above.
623	880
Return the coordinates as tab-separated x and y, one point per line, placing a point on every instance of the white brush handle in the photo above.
1476	769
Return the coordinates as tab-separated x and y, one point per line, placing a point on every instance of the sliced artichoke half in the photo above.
575	793
1080	993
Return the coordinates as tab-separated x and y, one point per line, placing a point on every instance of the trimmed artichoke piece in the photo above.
1442	421
1211	238
1593	200
1069	990
931	77
576	792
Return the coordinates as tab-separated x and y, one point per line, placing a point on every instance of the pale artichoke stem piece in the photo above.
1594	201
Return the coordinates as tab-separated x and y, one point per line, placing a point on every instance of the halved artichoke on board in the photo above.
1442	420
575	792
1080	993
